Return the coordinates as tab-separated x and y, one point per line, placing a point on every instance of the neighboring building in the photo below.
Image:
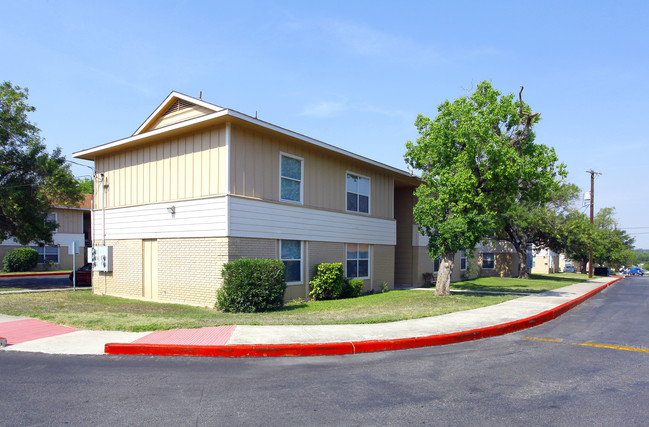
74	225
198	185
544	261
498	259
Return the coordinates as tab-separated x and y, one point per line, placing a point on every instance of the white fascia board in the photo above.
246	118
165	104
180	125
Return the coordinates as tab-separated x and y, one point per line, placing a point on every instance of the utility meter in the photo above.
101	258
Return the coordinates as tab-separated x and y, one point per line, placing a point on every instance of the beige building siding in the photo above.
406	256
69	220
186	167
382	267
255	172
505	265
179	116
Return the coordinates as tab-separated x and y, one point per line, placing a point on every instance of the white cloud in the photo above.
324	108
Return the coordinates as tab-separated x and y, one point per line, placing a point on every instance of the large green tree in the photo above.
613	246
477	159
537	221
31	179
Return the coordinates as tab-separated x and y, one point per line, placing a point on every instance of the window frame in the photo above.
358	259
437	262
301	181
56	220
463	258
369	193
42	254
293	259
493	257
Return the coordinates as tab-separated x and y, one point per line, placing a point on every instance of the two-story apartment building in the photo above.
74	224
198	185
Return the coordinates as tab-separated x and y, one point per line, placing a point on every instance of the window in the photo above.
290	187
488	261
358	193
291	256
51	217
462	260
358	260
47	253
436	263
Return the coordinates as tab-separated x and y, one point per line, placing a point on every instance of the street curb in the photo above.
35	274
354	347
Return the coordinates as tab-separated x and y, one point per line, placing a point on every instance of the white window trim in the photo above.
466	261
482	261
369	196
301	201
301	281
369	263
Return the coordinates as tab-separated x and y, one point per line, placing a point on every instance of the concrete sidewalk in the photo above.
24	334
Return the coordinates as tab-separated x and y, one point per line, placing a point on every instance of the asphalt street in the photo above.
540	376
37	282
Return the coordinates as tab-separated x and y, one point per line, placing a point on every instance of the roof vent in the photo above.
179	105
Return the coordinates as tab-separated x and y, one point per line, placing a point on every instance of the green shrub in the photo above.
21	259
352	288
252	285
327	282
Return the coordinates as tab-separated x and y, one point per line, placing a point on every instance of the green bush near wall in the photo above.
328	281
21	259
352	288
252	285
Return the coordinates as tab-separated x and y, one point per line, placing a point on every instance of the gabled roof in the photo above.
181	106
193	112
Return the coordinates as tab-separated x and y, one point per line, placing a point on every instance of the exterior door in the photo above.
150	269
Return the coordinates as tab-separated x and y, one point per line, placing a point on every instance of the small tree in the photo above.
477	159
31	180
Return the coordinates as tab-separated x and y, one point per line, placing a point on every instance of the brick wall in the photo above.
189	270
126	278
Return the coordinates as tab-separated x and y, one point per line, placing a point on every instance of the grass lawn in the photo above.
536	284
11	289
83	310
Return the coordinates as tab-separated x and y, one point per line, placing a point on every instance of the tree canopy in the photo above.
31	179
478	160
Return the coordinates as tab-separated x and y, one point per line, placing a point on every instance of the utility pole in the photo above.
592	211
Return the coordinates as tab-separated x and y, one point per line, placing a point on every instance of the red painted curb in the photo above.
328	349
34	274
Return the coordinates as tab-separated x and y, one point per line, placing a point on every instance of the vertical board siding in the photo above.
186	167
255	173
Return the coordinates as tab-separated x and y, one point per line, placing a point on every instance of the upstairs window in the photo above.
290	187
358	193
51	217
358	261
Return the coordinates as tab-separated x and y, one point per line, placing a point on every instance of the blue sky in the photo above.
354	74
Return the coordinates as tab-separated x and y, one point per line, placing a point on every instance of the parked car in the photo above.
569	269
84	274
635	272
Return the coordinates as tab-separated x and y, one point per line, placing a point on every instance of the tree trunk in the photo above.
584	265
443	284
523	270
